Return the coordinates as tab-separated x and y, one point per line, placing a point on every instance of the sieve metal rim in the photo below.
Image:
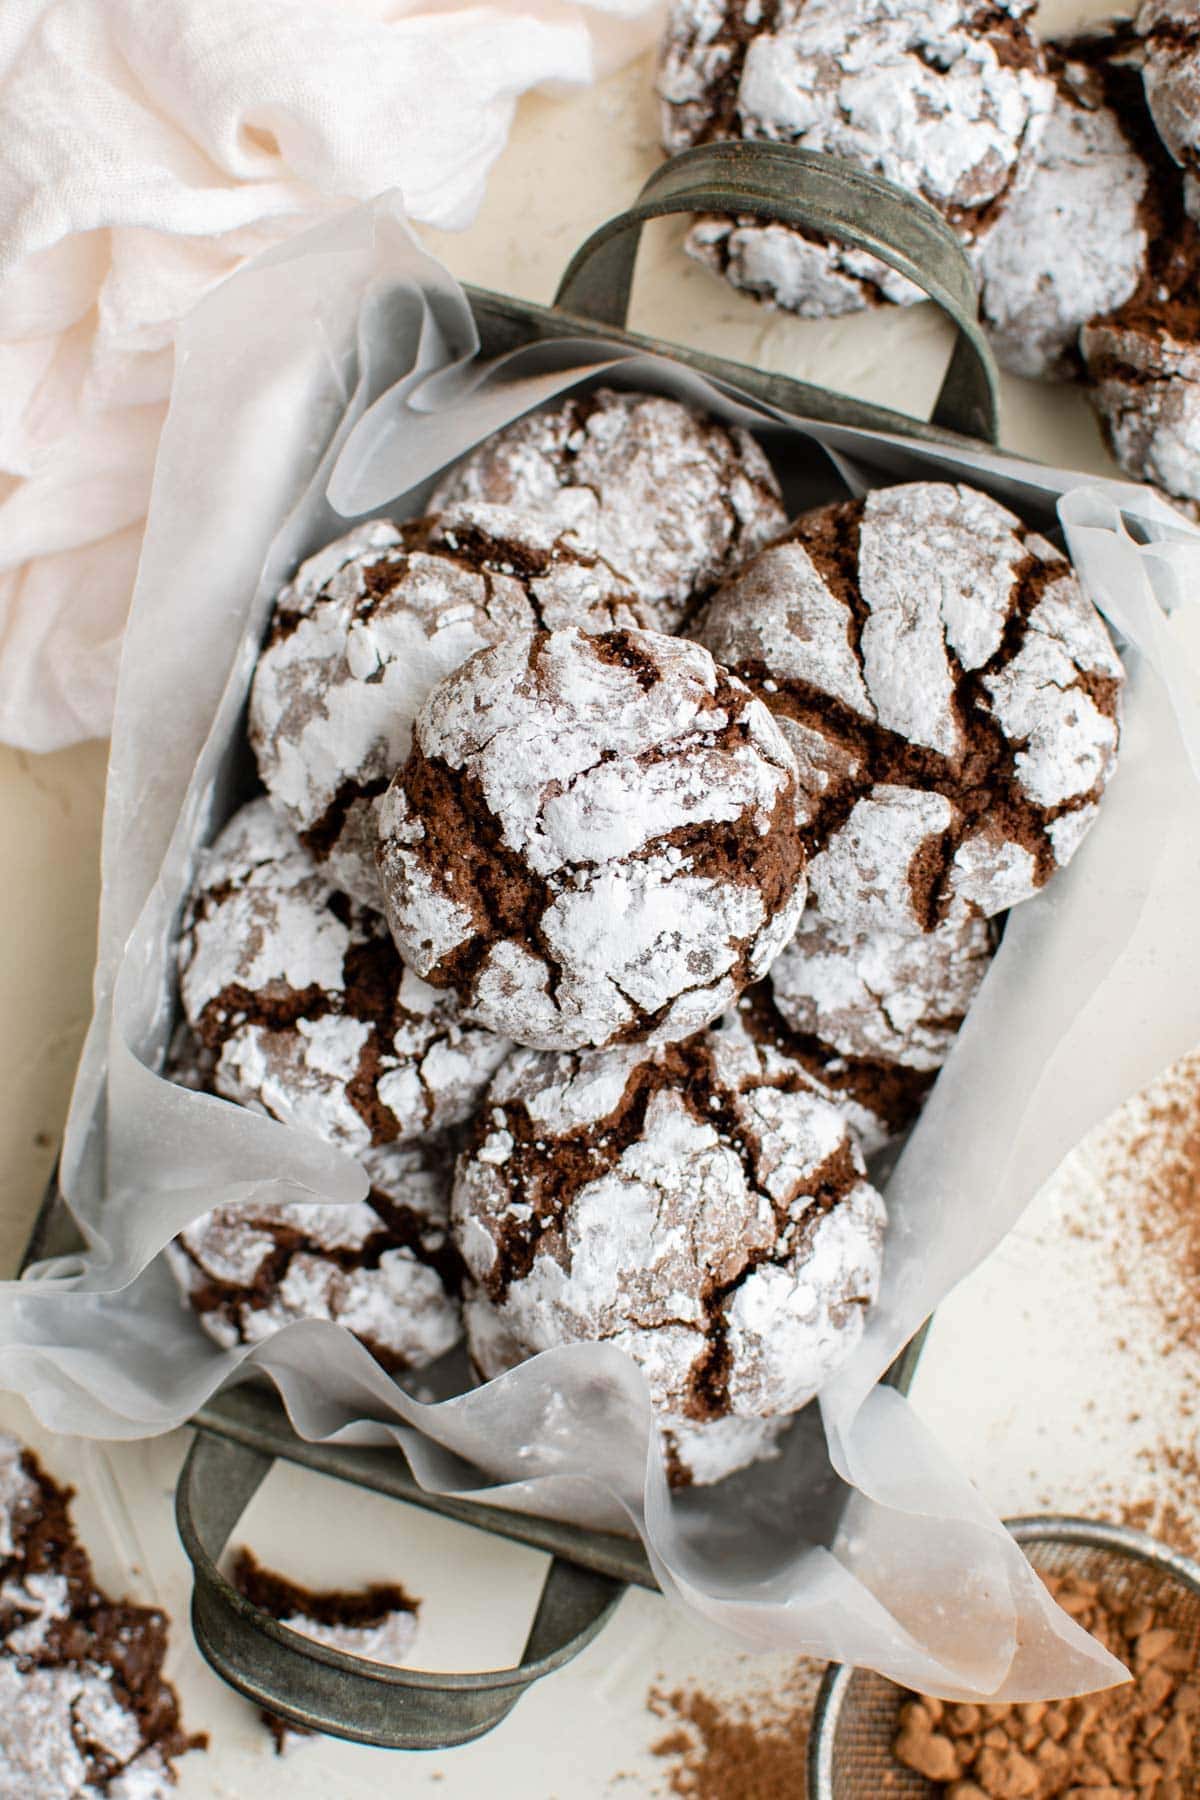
1031	1528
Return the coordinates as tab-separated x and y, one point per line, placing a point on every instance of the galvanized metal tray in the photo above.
242	1430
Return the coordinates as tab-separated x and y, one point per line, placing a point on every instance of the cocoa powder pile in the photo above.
751	1748
1133	1742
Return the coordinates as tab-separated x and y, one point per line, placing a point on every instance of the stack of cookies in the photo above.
628	860
1067	169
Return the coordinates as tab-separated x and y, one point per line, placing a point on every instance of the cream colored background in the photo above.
1042	1319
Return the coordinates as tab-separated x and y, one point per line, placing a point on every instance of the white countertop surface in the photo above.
1033	1373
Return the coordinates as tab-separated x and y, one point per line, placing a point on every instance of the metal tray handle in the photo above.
815	193
315	1686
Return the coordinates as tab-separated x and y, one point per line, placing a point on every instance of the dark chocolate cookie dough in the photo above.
86	1712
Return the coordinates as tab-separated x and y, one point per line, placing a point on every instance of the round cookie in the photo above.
383	1268
870	1017
1143	364
940	97
697	1209
304	1010
1146	388
1072	240
593	840
671	498
950	693
884	996
1170	30
367	627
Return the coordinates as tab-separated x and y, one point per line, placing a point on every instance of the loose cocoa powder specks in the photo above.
751	1748
1133	1742
1146	1165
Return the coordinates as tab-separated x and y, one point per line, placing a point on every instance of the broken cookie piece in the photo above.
84	1708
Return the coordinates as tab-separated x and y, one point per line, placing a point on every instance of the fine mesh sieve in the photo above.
855	1719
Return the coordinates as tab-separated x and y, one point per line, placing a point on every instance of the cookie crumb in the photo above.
377	1623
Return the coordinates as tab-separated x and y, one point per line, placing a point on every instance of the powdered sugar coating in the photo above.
387	1640
1171	74
948	689
1145	384
593	838
305	1010
364	631
788	269
941	99
700	1209
668	497
1071	241
379	1268
893	997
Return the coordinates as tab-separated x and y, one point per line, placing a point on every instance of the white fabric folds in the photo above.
332	378
147	148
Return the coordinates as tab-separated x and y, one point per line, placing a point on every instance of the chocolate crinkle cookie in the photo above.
366	628
302	1008
382	1268
872	1015
1170	31
664	494
378	1623
1143	364
878	1100
703	1212
593	840
950	692
86	1713
941	96
1072	241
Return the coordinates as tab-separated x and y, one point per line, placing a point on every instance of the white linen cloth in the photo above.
147	148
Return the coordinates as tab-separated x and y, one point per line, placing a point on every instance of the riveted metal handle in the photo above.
320	1688
815	193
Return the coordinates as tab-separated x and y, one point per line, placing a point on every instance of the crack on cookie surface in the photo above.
980	780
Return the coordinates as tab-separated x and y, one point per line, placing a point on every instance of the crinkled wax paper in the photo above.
334	378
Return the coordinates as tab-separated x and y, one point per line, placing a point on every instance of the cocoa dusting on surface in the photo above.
336	1609
1148	1166
753	1747
86	1634
1136	1741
